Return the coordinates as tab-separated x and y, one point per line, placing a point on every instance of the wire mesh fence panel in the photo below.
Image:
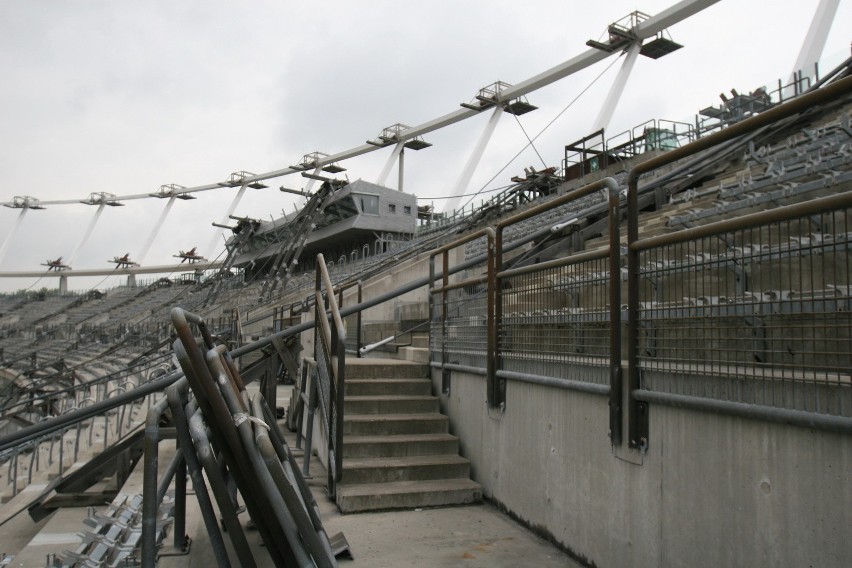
458	313
760	315
556	323
351	322
323	378
466	331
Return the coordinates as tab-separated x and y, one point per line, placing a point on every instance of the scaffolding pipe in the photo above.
312	180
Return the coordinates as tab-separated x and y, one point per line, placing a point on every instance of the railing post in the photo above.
491	295
446	377
330	344
444	289
616	390
149	484
358	324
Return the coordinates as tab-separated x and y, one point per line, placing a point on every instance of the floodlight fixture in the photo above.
239	178
621	35
311	161
489	96
394	133
170	190
102	198
24	202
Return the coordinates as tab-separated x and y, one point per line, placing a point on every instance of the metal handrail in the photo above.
492	397
330	343
638	426
613	252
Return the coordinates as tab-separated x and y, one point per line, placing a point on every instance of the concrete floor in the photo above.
472	536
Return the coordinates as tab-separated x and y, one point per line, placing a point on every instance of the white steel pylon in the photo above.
614	95
816	37
383	176
473	161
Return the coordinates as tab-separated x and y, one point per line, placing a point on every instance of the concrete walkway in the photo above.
475	536
470	536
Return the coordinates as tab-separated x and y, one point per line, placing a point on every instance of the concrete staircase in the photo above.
397	451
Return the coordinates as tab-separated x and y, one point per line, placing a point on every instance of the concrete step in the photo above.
390	424
415	354
407	495
413	468
390	404
368	387
419	340
384	368
399	446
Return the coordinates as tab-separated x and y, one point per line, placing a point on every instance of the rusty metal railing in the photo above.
563	317
330	357
354	320
460	311
638	395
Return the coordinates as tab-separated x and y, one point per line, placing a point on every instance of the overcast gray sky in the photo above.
122	97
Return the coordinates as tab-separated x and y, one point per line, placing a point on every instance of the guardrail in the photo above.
639	395
330	357
698	336
459	312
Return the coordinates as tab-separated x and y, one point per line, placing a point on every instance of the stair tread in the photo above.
379	361
400	397
397	438
393	417
404	461
402	487
387	379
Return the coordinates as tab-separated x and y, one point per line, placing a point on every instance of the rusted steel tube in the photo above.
314	537
262	479
149	483
220	490
175	394
220	422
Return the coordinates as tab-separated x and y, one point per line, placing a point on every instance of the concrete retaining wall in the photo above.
711	490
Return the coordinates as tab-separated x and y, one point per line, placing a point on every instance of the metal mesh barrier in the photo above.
461	310
759	315
323	381
463	338
556	322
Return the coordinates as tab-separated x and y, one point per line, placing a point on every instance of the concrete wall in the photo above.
712	490
390	280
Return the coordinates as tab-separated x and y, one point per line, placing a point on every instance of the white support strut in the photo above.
473	161
816	37
615	92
